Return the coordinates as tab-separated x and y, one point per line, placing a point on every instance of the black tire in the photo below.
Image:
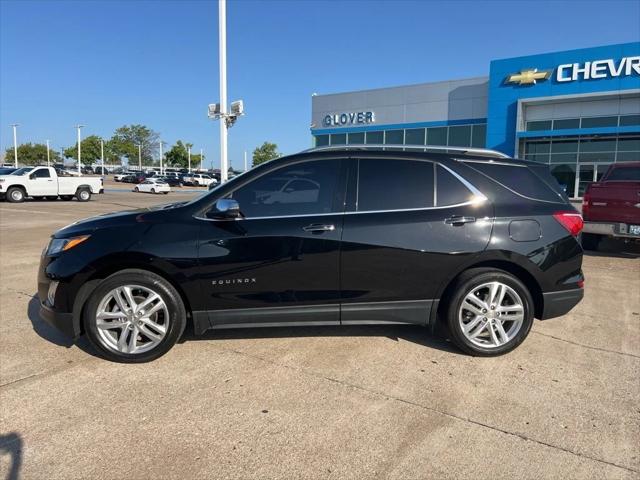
83	195
136	189
153	190
165	192
66	198
15	195
196	184
144	278
465	284
590	241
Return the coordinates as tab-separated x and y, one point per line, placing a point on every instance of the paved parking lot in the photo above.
350	402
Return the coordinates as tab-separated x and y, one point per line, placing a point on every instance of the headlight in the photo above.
58	245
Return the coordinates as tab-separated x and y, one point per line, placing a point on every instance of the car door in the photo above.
41	183
279	264
411	223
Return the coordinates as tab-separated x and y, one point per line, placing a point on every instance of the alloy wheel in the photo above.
132	319
491	314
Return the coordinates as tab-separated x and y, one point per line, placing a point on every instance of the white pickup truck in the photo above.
45	182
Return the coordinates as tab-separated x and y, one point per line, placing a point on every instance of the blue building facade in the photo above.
576	110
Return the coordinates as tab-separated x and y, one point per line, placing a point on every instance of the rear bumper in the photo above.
560	303
610	229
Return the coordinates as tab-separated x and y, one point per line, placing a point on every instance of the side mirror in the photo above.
224	208
32	176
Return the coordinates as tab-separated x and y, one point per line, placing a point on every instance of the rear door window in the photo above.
386	184
519	179
450	190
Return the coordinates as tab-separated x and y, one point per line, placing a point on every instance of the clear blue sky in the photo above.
109	63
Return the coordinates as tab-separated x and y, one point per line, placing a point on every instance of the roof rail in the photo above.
426	148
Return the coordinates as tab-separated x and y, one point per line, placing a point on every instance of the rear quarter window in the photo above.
521	180
624	174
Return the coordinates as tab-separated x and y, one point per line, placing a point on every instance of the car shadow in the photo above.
411	333
51	334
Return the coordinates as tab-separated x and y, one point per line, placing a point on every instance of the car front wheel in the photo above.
490	312
134	316
15	195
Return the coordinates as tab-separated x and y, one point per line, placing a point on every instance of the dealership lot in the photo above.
351	402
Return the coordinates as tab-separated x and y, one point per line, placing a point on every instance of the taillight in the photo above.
586	202
572	221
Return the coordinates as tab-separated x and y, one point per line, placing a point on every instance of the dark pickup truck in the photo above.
611	206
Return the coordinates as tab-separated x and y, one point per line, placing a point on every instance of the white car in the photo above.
46	182
199	180
152	186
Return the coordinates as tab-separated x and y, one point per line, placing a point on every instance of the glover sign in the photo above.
609	68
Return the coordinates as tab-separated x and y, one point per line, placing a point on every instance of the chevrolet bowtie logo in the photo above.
528	77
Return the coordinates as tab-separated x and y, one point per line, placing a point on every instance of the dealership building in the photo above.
577	111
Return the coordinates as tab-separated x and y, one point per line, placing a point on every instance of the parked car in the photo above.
87	170
100	170
135	177
611	206
200	180
44	182
120	176
470	239
152	186
172	180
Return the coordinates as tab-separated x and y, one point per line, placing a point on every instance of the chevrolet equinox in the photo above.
331	236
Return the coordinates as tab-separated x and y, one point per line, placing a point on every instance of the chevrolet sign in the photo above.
570	72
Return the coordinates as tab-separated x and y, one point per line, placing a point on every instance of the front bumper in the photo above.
50	313
610	229
59	320
560	303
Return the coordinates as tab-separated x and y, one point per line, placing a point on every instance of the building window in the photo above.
394	137
460	136
566	123
414	136
322	140
339	139
479	135
375	138
566	176
356	138
538	126
595	122
628	120
437	136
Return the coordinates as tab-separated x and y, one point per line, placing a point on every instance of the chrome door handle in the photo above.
459	220
318	227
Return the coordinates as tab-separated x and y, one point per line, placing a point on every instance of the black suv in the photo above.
334	236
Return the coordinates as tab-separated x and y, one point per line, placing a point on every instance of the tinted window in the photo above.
394	184
518	179
437	136
539	125
449	190
322	140
375	138
339	139
356	138
627	120
625	173
42	173
478	138
460	136
594	122
414	136
566	123
300	189
394	137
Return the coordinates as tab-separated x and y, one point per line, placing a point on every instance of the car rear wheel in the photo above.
134	316
490	312
153	190
15	195
83	195
136	189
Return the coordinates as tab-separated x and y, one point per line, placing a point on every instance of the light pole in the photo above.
140	157
245	160
102	154
222	30
48	156
160	143
79	149
189	157
201	159
15	143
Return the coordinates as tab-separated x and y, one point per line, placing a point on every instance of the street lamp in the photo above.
102	154
78	127
201	158
160	143
15	143
48	156
189	157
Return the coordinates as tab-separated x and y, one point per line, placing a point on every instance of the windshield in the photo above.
22	171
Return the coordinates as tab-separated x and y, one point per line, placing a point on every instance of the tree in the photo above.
90	151
178	155
31	154
267	151
126	139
